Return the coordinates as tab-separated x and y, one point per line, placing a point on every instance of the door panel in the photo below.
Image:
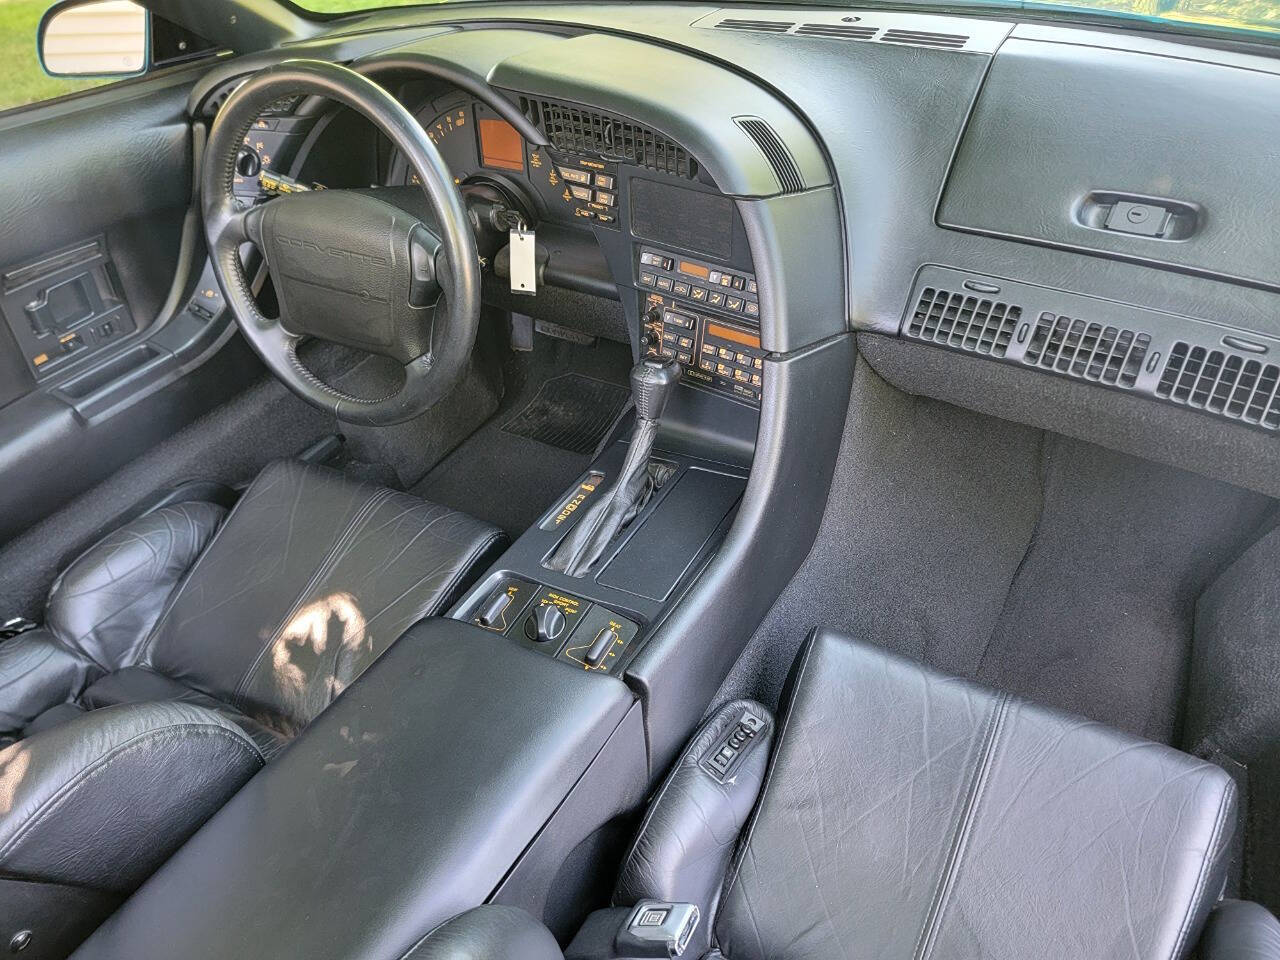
99	253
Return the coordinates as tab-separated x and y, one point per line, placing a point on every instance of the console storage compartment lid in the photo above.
403	804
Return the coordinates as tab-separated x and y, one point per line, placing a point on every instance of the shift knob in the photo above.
653	380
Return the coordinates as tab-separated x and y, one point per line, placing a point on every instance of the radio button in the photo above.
684	357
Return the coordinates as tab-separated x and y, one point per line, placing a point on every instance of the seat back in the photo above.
907	815
308	581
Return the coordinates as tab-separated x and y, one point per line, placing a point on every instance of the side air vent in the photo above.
756	26
925	38
574	129
775	151
964	322
836	31
1087	351
1222	382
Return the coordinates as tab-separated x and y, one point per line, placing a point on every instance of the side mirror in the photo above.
95	38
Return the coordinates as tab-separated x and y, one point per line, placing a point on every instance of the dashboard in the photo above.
786	176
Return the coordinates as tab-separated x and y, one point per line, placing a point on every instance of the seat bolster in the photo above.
688	836
1238	930
38	673
102	800
489	932
108	600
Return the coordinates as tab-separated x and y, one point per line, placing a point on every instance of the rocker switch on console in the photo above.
491	615
602	645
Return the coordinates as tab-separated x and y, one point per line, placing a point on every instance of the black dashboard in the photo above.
1055	198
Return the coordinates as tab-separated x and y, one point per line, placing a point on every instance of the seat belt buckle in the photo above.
656	928
15	626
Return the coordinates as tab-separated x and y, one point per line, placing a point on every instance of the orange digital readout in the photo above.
736	336
693	269
500	144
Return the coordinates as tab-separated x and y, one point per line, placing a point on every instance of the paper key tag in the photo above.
524	267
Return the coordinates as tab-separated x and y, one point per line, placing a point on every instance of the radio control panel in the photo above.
698	283
716	354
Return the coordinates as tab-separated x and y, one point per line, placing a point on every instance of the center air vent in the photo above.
1222	382
925	38
938	32
574	129
963	322
837	31
1087	351
757	26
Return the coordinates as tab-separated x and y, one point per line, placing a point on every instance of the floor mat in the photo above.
571	412
508	479
1054	569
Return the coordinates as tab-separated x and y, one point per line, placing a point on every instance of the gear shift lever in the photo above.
653	381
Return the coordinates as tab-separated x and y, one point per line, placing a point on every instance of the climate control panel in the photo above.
698	283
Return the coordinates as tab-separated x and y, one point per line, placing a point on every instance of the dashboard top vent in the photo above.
925	38
775	151
1087	350
837	31
574	129
974	324
902	28
758	26
1222	382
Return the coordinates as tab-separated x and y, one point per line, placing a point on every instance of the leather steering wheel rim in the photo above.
427	377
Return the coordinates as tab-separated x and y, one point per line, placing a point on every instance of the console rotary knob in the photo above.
545	624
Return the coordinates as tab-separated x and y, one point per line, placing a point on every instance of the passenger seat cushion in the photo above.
308	581
102	800
910	814
488	932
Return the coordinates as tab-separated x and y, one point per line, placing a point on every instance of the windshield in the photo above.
1255	16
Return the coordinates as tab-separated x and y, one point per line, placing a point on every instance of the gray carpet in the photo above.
1051	568
507	479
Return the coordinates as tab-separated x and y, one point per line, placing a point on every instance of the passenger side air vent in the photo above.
1224	383
775	151
963	321
836	31
757	26
574	129
1087	351
925	38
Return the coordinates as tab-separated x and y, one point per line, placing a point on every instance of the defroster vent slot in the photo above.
775	152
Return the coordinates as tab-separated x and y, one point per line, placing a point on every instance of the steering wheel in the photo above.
349	266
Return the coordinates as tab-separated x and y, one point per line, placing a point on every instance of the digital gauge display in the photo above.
470	138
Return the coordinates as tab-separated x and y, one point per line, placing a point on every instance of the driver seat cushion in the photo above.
263	615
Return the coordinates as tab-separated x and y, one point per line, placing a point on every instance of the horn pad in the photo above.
342	266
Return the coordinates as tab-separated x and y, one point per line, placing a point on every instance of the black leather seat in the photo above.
907	814
185	649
